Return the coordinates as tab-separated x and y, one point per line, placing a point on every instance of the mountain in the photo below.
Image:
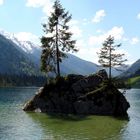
132	70
31	53
13	60
23	57
18	64
74	64
132	75
30	50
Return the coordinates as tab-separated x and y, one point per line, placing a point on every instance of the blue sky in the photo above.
92	21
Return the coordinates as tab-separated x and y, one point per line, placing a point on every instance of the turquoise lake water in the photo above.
16	124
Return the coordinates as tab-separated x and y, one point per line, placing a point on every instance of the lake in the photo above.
16	124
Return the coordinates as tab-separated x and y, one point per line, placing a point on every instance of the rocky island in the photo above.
79	95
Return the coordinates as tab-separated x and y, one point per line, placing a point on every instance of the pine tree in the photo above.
108	57
57	40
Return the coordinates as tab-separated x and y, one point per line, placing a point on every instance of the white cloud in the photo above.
47	9
134	41
35	3
44	19
85	52
116	32
122	51
85	21
99	16
27	36
138	16
73	22
46	5
1	2
99	31
125	39
80	43
77	32
75	28
89	54
96	40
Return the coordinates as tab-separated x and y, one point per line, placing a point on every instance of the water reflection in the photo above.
92	127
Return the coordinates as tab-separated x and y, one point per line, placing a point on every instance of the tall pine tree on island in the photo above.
57	40
108	57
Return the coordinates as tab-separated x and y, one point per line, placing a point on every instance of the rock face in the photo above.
77	94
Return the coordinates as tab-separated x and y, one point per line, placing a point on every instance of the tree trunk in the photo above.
110	64
57	51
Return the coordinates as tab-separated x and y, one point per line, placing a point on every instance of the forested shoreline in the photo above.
21	80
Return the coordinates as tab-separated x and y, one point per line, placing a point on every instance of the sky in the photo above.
92	22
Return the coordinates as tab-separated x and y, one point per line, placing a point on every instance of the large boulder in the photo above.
77	94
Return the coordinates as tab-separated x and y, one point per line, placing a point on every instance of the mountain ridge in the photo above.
72	64
132	70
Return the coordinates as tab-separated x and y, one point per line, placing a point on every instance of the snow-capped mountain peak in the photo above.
26	46
29	47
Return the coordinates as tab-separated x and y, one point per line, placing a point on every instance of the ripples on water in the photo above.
15	124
